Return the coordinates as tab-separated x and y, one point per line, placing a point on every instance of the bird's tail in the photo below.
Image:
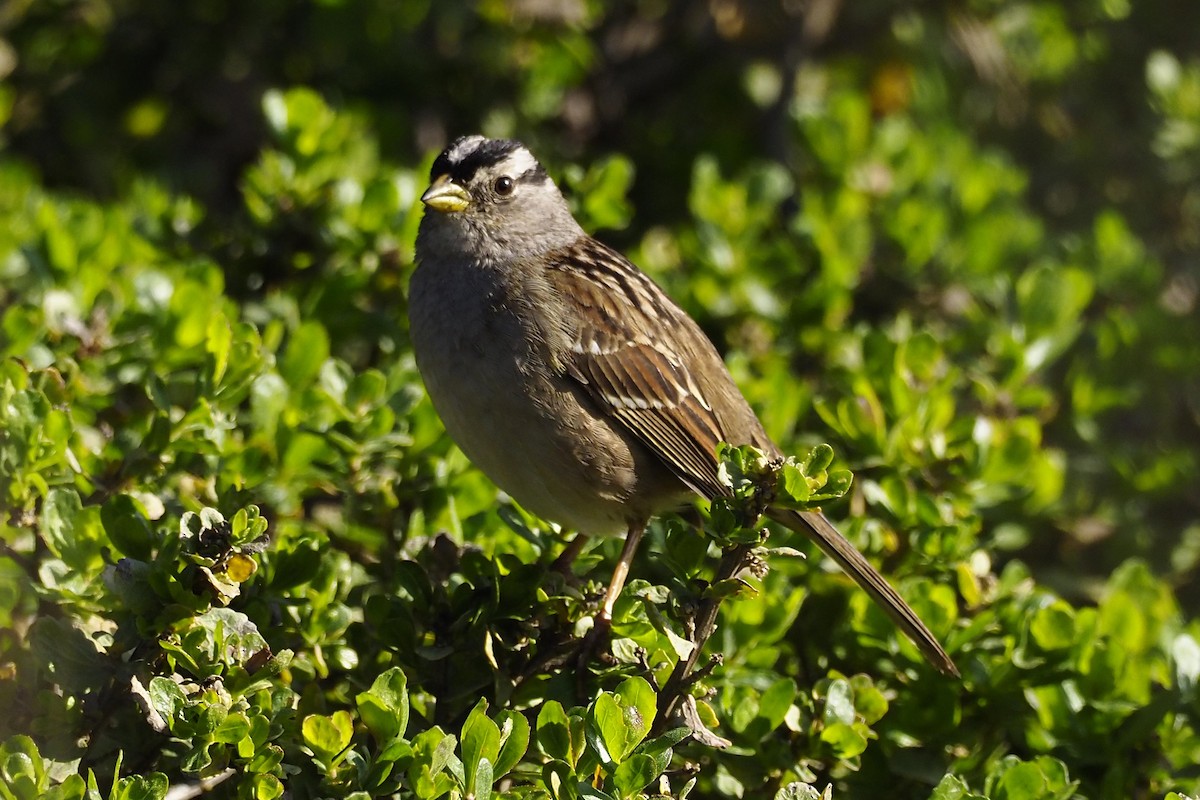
814	525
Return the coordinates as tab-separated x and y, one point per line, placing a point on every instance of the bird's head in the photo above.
491	198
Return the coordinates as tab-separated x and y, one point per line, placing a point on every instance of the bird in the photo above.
570	378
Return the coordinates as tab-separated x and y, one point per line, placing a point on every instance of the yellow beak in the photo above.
446	196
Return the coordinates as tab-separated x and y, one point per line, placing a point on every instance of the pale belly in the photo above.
508	418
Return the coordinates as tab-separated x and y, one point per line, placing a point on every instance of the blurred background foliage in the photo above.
975	139
958	241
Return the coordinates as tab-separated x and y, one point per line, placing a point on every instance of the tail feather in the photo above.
814	525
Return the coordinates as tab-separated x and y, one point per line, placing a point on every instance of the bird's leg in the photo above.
620	573
603	624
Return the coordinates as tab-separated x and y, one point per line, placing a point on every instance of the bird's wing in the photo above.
649	366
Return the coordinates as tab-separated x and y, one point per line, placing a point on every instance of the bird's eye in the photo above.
504	186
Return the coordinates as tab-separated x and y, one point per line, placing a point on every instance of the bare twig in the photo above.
187	791
705	622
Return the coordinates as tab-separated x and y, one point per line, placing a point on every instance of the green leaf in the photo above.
21	767
774	703
1058	779
168	699
794	483
218	341
601	192
296	566
659	748
328	735
72	788
397	750
127	528
837	484
607	729
818	460
69	655
480	741
480	785
633	774
434	769
953	788
266	787
67	528
1052	297
384	707
560	779
640	704
807	482
514	741
444	758
620	720
553	731
369	388
1021	782
869	702
846	740
305	355
798	791
233	729
1053	627
141	787
247	526
589	792
839	701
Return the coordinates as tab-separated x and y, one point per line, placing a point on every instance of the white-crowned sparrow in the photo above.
568	376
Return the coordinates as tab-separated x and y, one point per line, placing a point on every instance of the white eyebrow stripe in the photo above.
516	163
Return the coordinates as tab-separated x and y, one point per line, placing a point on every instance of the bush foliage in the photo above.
239	557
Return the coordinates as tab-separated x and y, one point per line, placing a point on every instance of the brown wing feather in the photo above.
650	384
637	385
